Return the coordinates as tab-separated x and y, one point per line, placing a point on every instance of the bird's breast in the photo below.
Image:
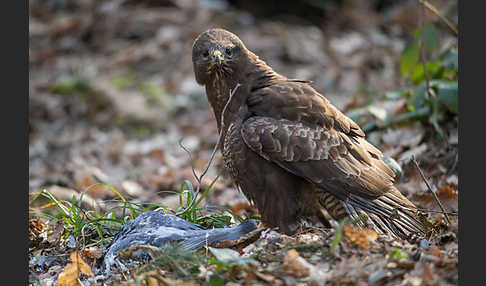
234	150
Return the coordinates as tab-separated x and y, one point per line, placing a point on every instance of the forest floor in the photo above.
112	93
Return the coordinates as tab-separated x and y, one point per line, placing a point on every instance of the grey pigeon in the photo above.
158	229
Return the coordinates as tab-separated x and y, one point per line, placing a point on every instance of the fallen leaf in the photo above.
229	256
403	137
407	156
448	196
51	274
92	253
295	265
266	278
69	277
87	202
241	207
434	250
428	274
425	272
37	231
35	228
447	192
85	181
360	236
56	234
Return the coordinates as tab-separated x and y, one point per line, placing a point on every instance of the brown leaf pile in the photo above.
362	237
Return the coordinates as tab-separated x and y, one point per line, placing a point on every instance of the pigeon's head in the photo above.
217	53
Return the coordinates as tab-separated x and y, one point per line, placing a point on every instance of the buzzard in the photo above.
289	150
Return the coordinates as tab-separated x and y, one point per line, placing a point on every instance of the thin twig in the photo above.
218	143
430	189
437	212
436	12
190	159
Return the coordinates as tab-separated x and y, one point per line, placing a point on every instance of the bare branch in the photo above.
438	212
190	158
218	143
436	12
430	189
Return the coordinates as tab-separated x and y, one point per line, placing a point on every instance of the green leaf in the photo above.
431	38
417	76
448	95
417	98
409	57
450	60
397	253
215	280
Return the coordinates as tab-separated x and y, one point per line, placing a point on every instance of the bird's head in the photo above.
217	53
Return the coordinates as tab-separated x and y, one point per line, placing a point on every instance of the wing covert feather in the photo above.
327	158
299	102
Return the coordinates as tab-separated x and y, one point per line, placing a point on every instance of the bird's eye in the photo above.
228	51
206	53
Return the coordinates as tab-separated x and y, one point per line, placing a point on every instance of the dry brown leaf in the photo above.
69	277
267	278
448	196
85	181
428	274
54	236
37	232
157	154
241	207
87	202
295	265
250	277
92	253
435	251
448	192
35	227
360	236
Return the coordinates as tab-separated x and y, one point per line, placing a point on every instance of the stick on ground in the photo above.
430	189
218	143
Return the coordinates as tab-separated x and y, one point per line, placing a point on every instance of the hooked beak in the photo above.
218	56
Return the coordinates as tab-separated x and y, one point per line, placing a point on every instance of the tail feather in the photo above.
379	224
391	213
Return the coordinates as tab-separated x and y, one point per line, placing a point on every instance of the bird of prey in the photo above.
289	150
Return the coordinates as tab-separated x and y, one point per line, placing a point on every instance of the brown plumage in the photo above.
289	150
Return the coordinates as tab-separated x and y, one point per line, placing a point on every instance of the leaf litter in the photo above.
102	110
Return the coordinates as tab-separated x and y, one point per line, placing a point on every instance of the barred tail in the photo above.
392	213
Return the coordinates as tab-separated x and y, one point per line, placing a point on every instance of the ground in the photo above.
112	95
